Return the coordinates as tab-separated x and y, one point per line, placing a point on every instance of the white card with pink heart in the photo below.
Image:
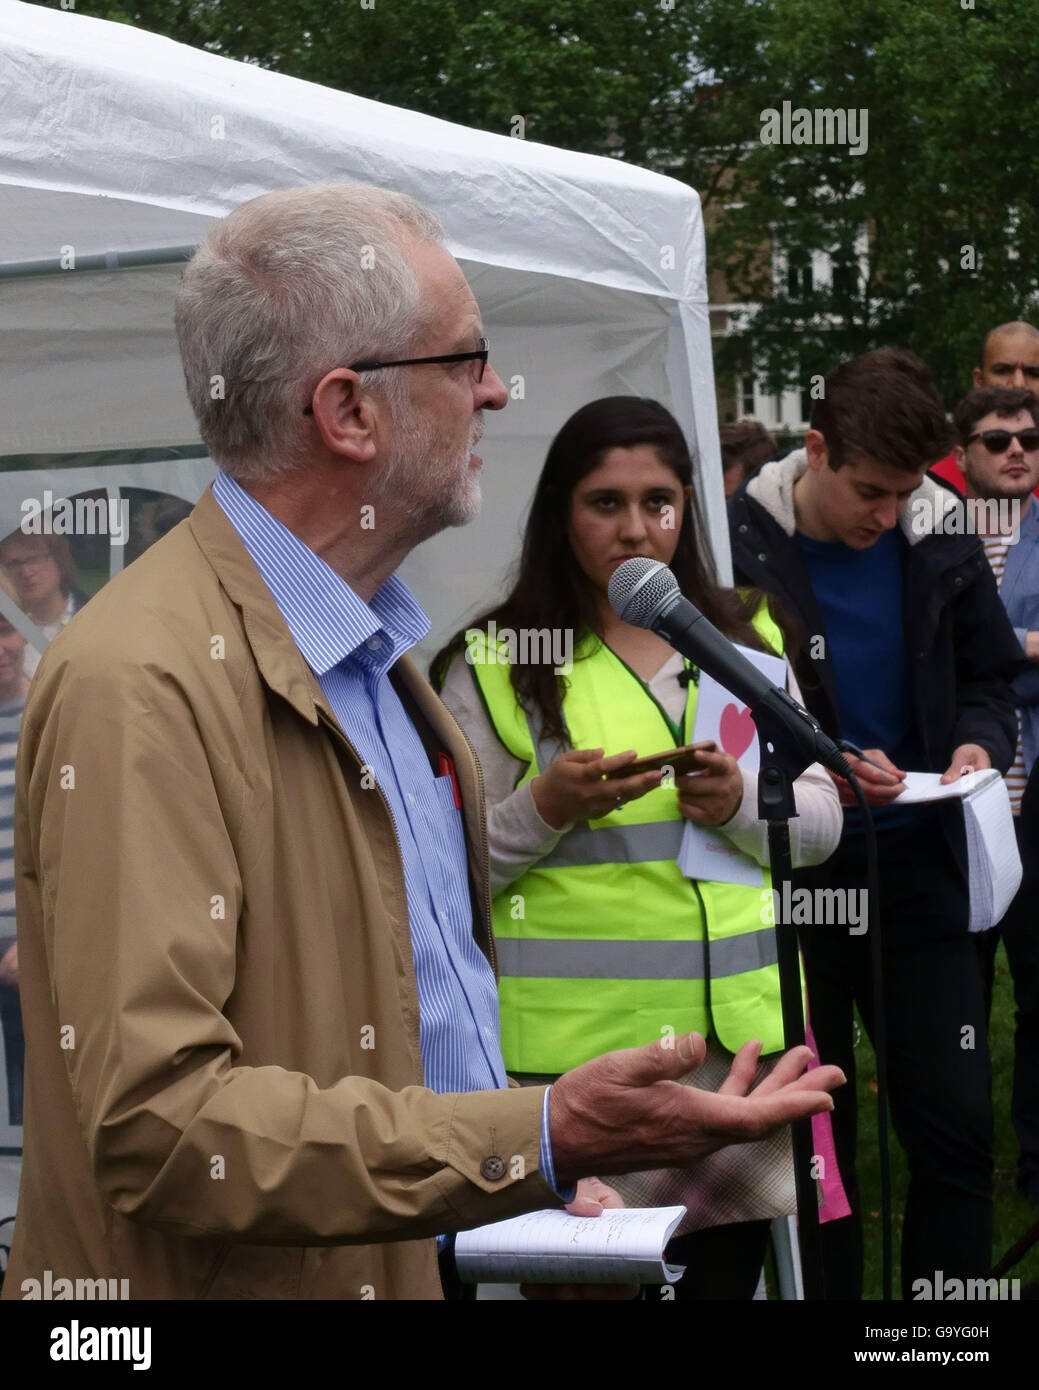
706	853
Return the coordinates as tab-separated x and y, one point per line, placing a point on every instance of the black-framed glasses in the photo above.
478	356
998	441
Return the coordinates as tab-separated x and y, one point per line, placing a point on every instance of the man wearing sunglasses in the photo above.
998	455
1009	357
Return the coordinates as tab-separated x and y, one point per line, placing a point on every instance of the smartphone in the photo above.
682	760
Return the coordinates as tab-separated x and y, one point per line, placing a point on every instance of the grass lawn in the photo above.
1013	1215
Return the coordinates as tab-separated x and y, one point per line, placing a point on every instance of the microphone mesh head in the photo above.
639	588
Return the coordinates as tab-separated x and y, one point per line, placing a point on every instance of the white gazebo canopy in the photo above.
118	149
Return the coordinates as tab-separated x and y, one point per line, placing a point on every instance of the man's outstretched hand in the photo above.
626	1111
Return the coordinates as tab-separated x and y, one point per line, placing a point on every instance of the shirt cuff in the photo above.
548	1168
744	829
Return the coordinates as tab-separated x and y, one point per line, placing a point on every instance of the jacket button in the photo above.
958	580
742	529
762	558
493	1168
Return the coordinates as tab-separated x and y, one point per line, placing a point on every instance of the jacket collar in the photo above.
282	667
277	657
1030	520
772	487
328	620
1019	571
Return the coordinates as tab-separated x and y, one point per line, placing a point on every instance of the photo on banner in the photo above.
65	531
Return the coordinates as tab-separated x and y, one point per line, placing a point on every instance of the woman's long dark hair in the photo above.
552	591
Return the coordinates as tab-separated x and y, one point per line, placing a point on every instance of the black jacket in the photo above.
960	646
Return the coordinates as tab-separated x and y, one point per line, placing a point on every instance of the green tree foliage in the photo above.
945	187
609	78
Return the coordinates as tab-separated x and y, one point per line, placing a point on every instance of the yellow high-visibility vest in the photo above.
603	943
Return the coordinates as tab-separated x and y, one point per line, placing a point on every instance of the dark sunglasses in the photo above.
478	356
998	441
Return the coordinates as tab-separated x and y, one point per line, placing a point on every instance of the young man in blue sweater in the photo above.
907	652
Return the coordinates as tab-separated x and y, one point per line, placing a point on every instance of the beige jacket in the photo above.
223	1085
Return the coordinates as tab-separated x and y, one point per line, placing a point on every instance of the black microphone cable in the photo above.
879	1019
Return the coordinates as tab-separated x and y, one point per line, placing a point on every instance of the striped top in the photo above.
10	719
32	656
996	554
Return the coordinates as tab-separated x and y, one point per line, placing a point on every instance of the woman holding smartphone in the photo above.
602	942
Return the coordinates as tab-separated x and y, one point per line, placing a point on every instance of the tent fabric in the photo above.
590	273
128	114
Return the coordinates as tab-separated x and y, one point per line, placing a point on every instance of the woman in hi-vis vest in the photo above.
602	942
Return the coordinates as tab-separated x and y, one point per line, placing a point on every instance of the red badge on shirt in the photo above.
447	769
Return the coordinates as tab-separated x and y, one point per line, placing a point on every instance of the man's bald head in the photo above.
1009	357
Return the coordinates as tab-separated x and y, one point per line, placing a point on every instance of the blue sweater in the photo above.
859	593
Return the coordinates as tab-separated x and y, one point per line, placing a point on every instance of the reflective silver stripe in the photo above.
736	955
601	960
635	960
616	844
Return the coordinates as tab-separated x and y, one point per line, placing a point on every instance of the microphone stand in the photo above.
782	760
646	593
788	746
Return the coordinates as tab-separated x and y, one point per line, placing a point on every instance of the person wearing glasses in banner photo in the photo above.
42	575
286	1079
602	942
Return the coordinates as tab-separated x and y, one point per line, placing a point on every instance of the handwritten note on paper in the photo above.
705	853
624	1245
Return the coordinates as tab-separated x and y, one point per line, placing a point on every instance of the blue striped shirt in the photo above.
351	645
10	719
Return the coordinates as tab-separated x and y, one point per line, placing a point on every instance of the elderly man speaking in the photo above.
257	968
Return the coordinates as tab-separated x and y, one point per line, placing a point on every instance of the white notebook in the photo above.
927	786
623	1245
993	863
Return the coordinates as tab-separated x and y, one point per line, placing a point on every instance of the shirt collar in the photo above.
328	621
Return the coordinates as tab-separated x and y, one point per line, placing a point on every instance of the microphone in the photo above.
645	593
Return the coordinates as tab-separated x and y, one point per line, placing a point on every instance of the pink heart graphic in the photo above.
736	729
